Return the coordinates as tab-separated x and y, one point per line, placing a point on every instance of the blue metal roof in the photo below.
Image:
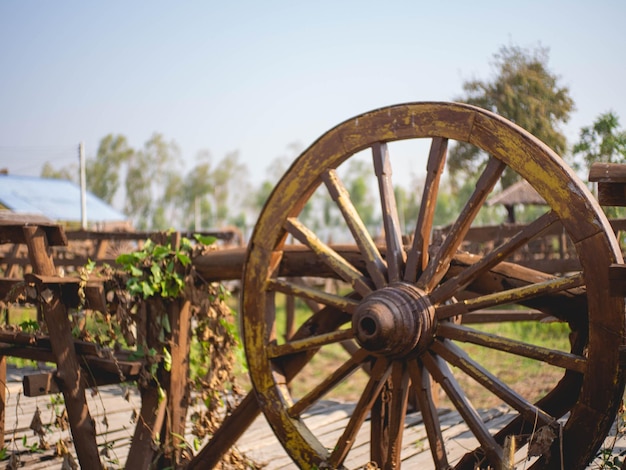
56	199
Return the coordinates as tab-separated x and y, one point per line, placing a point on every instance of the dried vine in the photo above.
165	272
153	277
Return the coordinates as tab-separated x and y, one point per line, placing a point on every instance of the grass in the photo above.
26	318
532	379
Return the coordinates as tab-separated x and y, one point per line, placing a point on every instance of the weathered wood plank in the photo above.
11	226
611	179
62	343
607	172
258	442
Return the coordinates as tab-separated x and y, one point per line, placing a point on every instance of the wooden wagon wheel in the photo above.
402	299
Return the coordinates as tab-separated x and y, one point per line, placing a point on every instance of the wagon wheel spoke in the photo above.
511	296
421	384
391	222
438	264
387	418
418	255
307	344
329	256
343	371
553	357
504	316
459	358
375	265
399	401
299	290
379	375
442	374
324	321
448	288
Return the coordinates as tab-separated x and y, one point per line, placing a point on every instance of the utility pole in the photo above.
196	214
83	186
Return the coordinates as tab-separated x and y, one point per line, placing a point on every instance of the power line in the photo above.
31	158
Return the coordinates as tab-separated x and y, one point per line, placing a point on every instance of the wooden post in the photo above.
142	452
227	434
3	396
177	381
62	343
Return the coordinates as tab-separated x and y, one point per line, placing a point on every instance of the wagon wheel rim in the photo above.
413	289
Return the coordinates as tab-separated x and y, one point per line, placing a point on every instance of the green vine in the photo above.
140	292
161	273
155	270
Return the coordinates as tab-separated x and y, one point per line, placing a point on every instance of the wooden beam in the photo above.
69	290
176	381
142	451
55	314
601	172
617	280
3	396
11	229
611	179
98	374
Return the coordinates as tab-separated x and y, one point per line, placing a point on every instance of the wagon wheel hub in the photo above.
396	320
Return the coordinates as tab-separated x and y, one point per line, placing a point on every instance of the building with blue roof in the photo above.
56	199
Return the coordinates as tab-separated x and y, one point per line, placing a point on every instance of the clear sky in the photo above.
256	76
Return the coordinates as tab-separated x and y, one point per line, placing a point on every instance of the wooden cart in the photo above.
406	302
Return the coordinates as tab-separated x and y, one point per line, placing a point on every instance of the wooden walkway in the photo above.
114	409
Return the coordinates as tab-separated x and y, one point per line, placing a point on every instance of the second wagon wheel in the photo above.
406	303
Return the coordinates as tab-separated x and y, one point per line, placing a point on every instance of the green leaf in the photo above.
135	271
165	323
160	252
29	326
133	356
161	336
205	239
126	259
170	267
167	360
134	287
157	274
146	290
183	258
90	266
185	244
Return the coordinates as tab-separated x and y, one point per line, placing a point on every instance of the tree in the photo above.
274	172
103	172
69	172
145	178
229	174
524	91
603	141
196	192
409	203
169	211
360	183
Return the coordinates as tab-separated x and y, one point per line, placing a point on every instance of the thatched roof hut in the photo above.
518	193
